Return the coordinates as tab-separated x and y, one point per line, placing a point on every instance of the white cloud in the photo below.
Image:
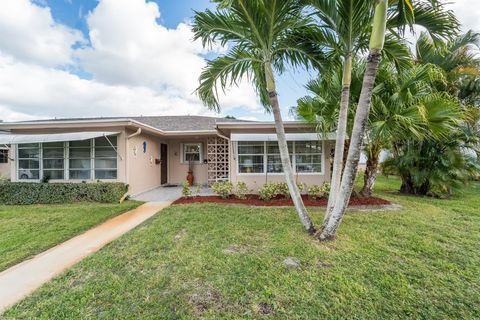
142	52
28	33
467	12
129	47
138	66
49	92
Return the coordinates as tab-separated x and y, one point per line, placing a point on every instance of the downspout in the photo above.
222	136
135	134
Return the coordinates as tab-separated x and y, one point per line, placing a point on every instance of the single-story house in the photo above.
147	152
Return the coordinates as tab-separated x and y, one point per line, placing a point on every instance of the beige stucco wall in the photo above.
177	171
143	173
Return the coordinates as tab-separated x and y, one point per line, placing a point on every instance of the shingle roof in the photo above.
184	123
165	123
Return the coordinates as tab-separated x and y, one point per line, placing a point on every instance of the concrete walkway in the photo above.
23	278
169	193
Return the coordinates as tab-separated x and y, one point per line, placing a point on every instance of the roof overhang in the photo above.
273	136
95	123
85	124
6	139
262	125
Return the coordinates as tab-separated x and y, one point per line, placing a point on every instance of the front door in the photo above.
164	163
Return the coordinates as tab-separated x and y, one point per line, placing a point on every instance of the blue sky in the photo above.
88	66
82	58
72	12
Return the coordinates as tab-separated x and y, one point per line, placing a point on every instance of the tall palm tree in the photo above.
404	104
344	27
377	40
341	26
264	37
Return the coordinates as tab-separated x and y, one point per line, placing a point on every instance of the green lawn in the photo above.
28	230
226	262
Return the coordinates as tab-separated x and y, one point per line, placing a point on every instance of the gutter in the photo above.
262	125
222	136
135	134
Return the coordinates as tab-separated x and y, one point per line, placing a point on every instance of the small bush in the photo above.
186	190
272	190
316	192
198	190
267	192
302	187
241	190
223	188
22	193
282	190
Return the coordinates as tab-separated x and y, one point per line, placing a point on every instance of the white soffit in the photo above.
273	136
52	137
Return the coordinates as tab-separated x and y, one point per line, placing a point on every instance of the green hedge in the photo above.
50	193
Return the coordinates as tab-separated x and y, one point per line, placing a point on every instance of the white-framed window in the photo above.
251	156
105	158
29	161
74	160
53	160
260	157
308	156
274	162
3	155
80	160
192	152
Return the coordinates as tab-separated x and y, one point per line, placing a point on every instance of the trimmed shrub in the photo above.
241	190
302	187
21	193
273	190
267	192
223	188
316	192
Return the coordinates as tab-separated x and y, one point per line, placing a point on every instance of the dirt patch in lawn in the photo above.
201	302
264	308
253	200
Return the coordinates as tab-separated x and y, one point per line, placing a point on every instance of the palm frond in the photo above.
440	23
223	72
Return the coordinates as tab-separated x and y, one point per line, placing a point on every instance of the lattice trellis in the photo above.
217	155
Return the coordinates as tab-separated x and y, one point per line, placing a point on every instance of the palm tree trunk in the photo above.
371	171
284	154
361	117
341	136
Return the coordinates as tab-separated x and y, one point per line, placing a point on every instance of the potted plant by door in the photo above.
190	173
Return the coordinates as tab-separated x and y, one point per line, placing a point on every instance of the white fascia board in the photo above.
273	136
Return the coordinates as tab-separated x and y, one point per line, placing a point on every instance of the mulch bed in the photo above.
253	200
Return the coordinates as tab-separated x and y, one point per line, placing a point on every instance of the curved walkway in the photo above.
23	278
